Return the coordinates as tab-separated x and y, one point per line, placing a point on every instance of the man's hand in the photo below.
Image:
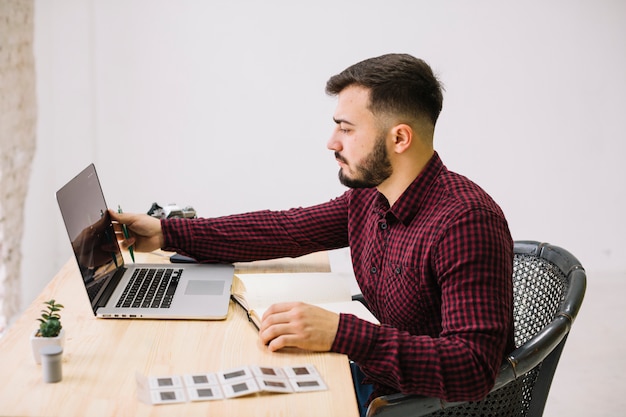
298	325
145	231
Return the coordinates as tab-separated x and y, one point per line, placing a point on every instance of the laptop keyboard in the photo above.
150	288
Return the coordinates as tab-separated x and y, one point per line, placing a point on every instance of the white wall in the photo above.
221	105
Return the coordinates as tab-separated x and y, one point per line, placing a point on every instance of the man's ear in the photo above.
403	136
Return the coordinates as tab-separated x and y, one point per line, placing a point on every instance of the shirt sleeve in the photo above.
259	235
472	263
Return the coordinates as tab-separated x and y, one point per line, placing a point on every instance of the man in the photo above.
431	251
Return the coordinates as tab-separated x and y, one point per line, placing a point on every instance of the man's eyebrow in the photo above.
338	121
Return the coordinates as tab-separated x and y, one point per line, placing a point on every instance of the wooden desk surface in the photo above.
102	355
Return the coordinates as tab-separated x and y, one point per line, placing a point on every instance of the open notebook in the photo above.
331	291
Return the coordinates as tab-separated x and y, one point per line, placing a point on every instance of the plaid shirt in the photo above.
435	269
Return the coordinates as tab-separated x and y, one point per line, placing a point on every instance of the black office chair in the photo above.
548	289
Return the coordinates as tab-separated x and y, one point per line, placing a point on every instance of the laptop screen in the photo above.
90	230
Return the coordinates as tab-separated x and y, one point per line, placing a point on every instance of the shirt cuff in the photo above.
176	235
355	337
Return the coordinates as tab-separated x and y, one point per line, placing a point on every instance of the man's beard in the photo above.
375	169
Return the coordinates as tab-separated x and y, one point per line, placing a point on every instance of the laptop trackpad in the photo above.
199	287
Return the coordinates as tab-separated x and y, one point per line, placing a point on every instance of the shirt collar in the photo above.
409	203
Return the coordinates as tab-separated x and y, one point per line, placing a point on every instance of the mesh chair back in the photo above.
539	288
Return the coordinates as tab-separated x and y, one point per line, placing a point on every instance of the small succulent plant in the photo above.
50	321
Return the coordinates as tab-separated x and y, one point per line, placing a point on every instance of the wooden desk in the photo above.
102	355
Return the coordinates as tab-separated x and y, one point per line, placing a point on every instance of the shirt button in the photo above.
383	226
398	270
373	270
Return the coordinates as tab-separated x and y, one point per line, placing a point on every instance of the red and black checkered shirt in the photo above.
435	269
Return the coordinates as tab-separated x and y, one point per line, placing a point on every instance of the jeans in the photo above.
362	390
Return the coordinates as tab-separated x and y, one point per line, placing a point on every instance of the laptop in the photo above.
149	291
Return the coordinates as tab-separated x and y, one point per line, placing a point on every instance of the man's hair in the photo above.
399	85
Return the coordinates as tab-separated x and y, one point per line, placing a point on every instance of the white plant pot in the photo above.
38	342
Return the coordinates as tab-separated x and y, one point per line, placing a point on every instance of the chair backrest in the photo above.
539	288
548	289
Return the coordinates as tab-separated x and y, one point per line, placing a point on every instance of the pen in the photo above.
126	235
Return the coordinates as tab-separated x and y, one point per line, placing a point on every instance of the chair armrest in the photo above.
402	405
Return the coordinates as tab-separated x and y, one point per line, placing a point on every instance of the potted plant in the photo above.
50	331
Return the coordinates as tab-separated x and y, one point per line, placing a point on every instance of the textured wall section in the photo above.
17	141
